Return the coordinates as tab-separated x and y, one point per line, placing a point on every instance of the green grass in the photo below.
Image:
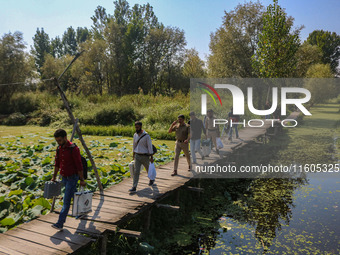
312	141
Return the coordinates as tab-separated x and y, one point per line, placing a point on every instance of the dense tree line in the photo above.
130	51
125	52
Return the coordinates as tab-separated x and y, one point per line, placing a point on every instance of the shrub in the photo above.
108	115
16	119
124	131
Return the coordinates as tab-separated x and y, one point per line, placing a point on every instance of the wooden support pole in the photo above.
74	129
173	207
104	243
147	221
67	106
195	189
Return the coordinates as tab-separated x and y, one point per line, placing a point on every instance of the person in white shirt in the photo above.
142	153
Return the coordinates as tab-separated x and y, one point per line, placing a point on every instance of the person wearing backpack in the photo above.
143	151
69	162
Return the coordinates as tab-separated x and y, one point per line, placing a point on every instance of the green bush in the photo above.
124	131
16	119
108	130
108	115
102	114
24	102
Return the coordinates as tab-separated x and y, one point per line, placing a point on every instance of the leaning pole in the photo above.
73	120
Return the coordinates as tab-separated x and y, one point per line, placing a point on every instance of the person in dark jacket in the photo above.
68	161
196	129
212	131
233	119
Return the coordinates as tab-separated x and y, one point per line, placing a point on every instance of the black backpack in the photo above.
83	160
154	149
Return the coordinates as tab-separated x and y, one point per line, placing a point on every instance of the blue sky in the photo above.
198	18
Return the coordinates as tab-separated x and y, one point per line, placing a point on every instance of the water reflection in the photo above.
267	205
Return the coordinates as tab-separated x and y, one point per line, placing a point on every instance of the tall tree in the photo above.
321	89
141	51
94	63
235	42
41	47
118	48
82	34
100	20
69	41
57	49
278	44
307	55
193	66
53	67
15	65
329	44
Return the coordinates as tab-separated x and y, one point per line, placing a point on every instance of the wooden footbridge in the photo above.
110	208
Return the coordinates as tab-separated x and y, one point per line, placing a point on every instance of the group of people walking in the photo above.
185	133
68	158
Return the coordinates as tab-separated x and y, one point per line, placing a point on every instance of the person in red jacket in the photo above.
68	161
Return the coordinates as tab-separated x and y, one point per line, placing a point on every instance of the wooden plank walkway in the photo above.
110	208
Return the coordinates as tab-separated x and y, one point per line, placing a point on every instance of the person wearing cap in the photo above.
182	137
212	132
196	128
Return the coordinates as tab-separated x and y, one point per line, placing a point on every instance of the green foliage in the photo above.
24	102
15	66
235	42
29	161
57	47
307	56
110	114
193	65
156	112
69	41
329	44
16	119
321	89
41	47
124	53
124	131
277	46
319	71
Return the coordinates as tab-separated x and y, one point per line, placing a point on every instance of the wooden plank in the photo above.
9	251
104	216
45	228
114	210
112	204
27	247
81	224
126	196
51	241
142	186
195	188
172	207
118	201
